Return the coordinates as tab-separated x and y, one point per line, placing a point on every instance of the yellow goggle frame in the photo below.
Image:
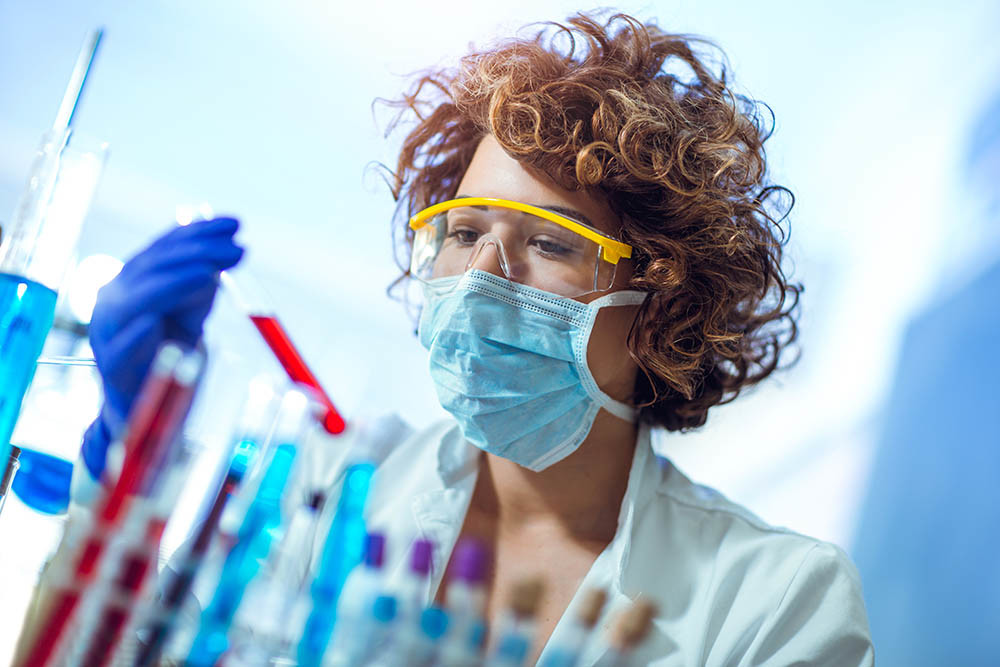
612	249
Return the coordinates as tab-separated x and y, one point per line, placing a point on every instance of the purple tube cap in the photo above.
420	557
374	550
470	561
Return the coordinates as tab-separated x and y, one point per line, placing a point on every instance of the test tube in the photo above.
266	321
154	424
250	436
355	638
342	551
255	536
417	645
466	603
250	299
413	587
132	556
274	612
567	651
628	631
516	633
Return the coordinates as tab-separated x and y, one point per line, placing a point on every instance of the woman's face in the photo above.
493	173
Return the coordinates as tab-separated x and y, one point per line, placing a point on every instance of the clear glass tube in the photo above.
40	239
34	254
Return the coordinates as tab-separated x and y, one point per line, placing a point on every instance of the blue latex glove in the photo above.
163	293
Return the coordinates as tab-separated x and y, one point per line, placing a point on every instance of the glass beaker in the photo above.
35	251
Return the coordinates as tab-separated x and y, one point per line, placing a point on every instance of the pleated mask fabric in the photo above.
509	362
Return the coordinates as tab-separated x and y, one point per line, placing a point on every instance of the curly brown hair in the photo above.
633	113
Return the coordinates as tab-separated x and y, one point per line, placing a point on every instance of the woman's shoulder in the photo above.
722	523
754	588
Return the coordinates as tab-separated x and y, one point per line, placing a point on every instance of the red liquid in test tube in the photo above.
288	356
250	298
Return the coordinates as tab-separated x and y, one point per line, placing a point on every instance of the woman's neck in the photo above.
579	496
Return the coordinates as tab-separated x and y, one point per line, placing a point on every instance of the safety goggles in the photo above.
529	245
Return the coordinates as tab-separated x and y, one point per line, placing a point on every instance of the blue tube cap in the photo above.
384	609
43	481
434	622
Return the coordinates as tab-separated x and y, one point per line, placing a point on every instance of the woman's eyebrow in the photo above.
571	213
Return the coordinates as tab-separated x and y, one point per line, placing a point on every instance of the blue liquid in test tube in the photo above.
253	544
26	312
342	551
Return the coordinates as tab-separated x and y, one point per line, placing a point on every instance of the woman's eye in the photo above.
551	247
463	236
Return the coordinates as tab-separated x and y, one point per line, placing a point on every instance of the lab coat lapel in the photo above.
439	513
439	516
609	569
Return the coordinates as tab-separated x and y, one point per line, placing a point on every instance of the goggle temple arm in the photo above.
598	287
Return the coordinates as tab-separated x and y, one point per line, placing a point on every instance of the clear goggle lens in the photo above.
522	247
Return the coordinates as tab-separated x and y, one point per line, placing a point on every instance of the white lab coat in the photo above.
730	589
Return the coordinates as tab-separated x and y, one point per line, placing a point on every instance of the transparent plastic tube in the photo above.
256	534
248	440
466	604
273	614
265	320
516	632
127	568
153	427
568	651
243	561
342	551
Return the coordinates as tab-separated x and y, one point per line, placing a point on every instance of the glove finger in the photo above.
203	230
159	292
222	251
199	229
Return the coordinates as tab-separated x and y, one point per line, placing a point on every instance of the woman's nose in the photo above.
490	256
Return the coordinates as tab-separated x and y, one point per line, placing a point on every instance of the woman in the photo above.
589	215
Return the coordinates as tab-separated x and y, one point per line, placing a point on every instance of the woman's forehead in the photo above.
493	173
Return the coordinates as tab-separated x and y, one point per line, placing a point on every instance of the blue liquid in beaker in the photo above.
26	312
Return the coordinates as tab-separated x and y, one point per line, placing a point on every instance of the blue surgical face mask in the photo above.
509	362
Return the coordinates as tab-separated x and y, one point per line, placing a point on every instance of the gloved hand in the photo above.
163	293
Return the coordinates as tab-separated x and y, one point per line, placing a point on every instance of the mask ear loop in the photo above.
493	240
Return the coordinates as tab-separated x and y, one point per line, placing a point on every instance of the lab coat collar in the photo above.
456	459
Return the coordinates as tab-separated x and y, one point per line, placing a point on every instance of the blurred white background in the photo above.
265	110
